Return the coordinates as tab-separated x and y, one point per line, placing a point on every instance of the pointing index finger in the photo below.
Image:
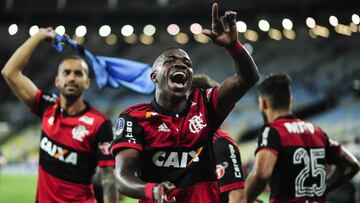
215	14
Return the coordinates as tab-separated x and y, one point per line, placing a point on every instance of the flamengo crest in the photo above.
196	123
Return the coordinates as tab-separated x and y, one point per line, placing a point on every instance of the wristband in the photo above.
235	49
149	188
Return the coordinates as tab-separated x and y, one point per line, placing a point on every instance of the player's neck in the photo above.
172	104
274	114
72	107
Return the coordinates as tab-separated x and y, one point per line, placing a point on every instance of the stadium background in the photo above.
315	41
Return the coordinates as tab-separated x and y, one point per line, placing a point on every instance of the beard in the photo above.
264	117
70	96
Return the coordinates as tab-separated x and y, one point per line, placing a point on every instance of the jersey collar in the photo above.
167	112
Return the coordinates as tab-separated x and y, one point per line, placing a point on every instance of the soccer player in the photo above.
226	155
292	154
162	148
75	138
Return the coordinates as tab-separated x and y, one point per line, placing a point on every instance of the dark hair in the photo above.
276	87
77	57
203	81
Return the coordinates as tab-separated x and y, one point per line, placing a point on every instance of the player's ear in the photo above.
153	76
57	82
263	103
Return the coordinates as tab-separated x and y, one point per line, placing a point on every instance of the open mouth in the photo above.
178	79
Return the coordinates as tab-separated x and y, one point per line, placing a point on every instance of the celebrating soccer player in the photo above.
75	138
162	148
293	153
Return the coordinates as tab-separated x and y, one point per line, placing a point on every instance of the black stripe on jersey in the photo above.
66	163
173	164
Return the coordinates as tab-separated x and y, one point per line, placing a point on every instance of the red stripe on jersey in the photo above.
304	139
52	189
232	186
104	163
125	145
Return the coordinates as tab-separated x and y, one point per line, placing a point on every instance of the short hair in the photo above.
276	87
160	58
77	57
203	81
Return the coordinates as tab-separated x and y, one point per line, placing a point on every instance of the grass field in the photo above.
22	188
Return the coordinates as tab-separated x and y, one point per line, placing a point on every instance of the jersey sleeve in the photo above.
269	139
218	112
128	134
228	165
103	140
332	150
42	102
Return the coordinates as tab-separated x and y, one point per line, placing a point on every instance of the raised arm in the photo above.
21	85
346	166
224	33
127	162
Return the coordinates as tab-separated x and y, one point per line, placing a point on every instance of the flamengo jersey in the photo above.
71	147
175	148
303	149
228	164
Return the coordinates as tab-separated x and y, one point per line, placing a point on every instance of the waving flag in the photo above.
110	71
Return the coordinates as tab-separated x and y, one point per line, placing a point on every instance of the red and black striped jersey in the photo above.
302	150
71	147
175	147
228	164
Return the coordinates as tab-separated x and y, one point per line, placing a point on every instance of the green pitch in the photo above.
22	189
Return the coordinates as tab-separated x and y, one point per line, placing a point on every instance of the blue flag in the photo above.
110	71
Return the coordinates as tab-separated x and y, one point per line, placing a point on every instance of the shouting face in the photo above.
173	73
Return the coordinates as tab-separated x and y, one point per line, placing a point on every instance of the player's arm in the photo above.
346	166
224	33
108	184
21	85
258	178
237	196
127	162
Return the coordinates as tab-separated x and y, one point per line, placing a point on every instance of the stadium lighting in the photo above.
33	30
60	30
131	39
104	31
310	22
201	38
195	28
264	25
289	34
111	39
321	31
127	30
147	40
182	38
173	29
149	30
355	19
13	28
287	24
343	29
80	31
333	21
251	35
241	26
275	34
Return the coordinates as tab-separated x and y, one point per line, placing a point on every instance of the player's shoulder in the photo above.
94	115
138	110
47	96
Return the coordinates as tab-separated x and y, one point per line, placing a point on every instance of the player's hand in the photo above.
223	30
46	33
161	191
